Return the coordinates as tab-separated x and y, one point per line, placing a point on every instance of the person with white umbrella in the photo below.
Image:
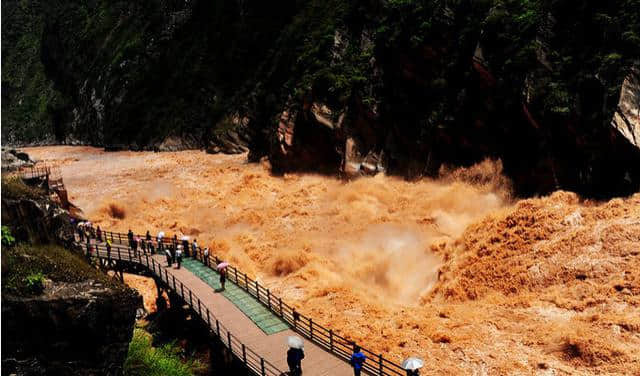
412	366
179	255
295	354
160	244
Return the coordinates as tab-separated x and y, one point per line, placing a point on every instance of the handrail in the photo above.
53	175
326	338
252	360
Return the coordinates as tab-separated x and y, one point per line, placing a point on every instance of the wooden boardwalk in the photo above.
271	347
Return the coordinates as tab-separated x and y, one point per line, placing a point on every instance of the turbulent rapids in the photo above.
453	270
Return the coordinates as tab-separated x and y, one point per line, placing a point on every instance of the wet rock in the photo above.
13	159
233	136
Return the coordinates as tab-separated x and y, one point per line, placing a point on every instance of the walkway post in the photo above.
229	340
246	283
280	305
269	298
311	327
244	355
218	327
262	365
331	339
380	363
208	319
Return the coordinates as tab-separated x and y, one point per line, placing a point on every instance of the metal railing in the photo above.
326	338
252	360
35	172
53	175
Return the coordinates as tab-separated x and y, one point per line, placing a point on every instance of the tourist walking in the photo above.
134	246
160	245
179	256
294	361
99	234
223	277
80	232
185	246
108	249
130	237
88	249
205	256
194	248
143	246
357	360
148	237
167	252
150	247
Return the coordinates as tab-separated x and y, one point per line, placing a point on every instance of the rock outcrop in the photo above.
81	322
71	329
37	220
627	117
13	159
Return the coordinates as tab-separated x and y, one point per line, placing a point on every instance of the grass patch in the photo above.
145	360
14	188
28	265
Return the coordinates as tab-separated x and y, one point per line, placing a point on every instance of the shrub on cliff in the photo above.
28	265
144	359
15	188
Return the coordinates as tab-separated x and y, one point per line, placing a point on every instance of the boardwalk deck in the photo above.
271	347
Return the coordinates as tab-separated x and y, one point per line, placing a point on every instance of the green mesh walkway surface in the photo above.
259	314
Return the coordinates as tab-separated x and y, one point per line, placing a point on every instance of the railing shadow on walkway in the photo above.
325	338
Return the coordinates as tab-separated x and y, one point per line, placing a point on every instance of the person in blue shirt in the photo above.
357	360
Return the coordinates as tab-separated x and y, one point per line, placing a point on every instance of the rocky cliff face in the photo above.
60	316
341	86
37	220
72	328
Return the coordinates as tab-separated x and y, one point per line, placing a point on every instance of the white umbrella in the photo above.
184	237
413	363
222	265
161	234
295	342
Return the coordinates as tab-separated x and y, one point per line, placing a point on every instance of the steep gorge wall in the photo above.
79	321
336	86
